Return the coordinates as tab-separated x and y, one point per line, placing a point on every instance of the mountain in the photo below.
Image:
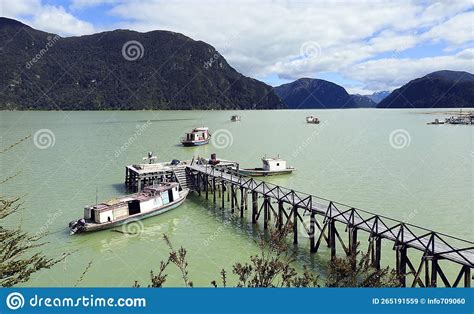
307	93
378	96
120	69
442	89
363	101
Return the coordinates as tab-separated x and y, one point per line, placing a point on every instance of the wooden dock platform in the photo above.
326	216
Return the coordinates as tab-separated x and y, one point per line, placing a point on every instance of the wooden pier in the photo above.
138	176
325	217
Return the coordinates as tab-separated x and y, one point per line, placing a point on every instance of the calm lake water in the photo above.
386	161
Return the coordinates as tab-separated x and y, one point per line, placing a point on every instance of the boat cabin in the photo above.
198	134
273	164
143	202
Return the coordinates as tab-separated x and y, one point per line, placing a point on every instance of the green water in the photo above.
425	180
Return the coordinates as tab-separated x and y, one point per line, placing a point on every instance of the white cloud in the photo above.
49	18
81	4
457	30
263	38
391	73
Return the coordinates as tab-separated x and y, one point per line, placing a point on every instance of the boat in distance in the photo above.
270	167
235	118
312	120
197	137
152	200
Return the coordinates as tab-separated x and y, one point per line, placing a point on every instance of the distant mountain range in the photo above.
311	93
378	96
307	93
128	70
120	70
441	89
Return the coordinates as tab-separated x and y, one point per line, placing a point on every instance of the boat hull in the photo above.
259	172
195	143
92	226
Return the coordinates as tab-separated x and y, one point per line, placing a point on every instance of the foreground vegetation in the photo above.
273	267
19	257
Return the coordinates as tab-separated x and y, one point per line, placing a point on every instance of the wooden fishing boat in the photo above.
197	137
270	167
152	200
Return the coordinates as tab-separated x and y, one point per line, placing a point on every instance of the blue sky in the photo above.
365	46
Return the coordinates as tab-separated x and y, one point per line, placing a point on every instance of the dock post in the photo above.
427	270
352	240
295	224
332	237
232	195
378	249
265	212
206	179
246	194
223	195
401	263
214	190
467	277
254	207
245	205
241	198
198	183
312	232
434	272
280	215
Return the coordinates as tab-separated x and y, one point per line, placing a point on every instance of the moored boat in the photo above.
270	166
436	121
235	118
312	119
152	200
197	137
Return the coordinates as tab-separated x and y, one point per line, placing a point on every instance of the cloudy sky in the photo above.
364	46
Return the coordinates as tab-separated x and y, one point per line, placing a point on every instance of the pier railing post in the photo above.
280	215
401	262
295	224
332	237
254	207
265	212
312	232
467	277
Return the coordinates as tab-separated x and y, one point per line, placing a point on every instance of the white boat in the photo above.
270	166
197	137
152	200
312	119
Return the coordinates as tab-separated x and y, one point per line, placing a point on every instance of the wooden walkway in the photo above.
434	246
